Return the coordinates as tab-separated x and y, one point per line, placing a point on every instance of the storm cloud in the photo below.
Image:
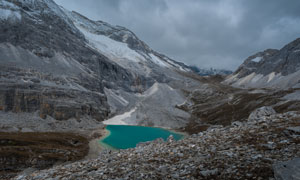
206	33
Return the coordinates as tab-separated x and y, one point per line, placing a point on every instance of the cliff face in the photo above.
56	103
26	91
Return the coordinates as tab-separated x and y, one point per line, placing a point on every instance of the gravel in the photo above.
244	151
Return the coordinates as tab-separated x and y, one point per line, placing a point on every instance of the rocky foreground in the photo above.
19	151
245	150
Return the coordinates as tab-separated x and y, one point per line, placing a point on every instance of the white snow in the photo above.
257	59
157	61
118	52
7	14
119	119
8	5
271	76
177	65
109	47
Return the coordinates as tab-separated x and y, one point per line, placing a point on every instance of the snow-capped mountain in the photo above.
270	68
122	46
64	66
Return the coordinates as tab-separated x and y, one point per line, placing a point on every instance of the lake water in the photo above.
124	137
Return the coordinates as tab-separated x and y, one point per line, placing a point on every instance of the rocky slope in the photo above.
60	71
59	65
246	150
217	104
270	68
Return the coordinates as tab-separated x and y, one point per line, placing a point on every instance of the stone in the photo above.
209	172
289	170
294	130
260	113
236	123
224	153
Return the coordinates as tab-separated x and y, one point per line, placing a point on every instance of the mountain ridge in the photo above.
57	52
61	72
270	68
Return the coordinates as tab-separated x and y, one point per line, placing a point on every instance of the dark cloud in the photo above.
207	33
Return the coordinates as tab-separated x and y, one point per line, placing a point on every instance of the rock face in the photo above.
261	112
270	68
57	103
287	170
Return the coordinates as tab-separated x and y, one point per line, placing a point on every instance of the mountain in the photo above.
210	72
74	72
61	71
64	76
270	68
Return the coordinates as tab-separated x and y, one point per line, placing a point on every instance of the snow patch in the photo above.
271	76
120	119
8	5
157	61
6	14
109	47
257	59
177	65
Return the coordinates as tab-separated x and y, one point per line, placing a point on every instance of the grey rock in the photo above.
294	130
260	113
220	154
209	172
236	123
289	170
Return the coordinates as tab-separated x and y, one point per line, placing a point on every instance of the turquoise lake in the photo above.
124	137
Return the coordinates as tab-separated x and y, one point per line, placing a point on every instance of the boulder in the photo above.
261	112
289	170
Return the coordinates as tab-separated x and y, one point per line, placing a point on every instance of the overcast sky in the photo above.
206	33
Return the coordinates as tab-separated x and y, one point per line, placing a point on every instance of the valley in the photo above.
70	87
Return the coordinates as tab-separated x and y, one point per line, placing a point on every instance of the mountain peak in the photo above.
270	68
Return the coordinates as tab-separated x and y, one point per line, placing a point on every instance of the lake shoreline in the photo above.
95	147
125	136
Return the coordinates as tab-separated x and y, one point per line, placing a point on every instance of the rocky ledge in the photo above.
248	150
